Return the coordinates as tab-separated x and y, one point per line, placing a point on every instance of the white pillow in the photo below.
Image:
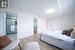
73	34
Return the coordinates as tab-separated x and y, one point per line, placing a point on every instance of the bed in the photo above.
59	40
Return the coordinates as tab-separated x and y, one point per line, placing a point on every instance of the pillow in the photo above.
69	32
4	41
73	34
64	32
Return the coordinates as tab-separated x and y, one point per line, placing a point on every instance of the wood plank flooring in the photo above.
36	37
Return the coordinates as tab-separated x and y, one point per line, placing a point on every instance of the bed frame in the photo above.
56	42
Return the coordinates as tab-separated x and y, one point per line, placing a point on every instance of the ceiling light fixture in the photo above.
50	11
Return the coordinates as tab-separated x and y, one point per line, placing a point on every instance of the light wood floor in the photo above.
43	45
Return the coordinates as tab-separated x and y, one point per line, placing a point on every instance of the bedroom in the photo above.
62	16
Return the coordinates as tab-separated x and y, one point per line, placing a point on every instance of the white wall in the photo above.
42	24
60	23
74	20
2	24
25	20
25	24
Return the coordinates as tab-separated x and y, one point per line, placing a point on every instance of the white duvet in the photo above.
60	36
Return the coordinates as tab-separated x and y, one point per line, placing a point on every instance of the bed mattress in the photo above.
58	35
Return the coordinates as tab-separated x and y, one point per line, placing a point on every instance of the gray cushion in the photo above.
65	32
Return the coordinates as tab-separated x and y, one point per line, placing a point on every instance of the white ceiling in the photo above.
38	7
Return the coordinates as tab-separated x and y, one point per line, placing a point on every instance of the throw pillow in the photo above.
73	34
69	32
64	32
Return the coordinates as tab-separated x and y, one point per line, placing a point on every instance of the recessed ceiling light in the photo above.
50	11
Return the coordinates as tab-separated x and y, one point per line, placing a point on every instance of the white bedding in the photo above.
60	36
